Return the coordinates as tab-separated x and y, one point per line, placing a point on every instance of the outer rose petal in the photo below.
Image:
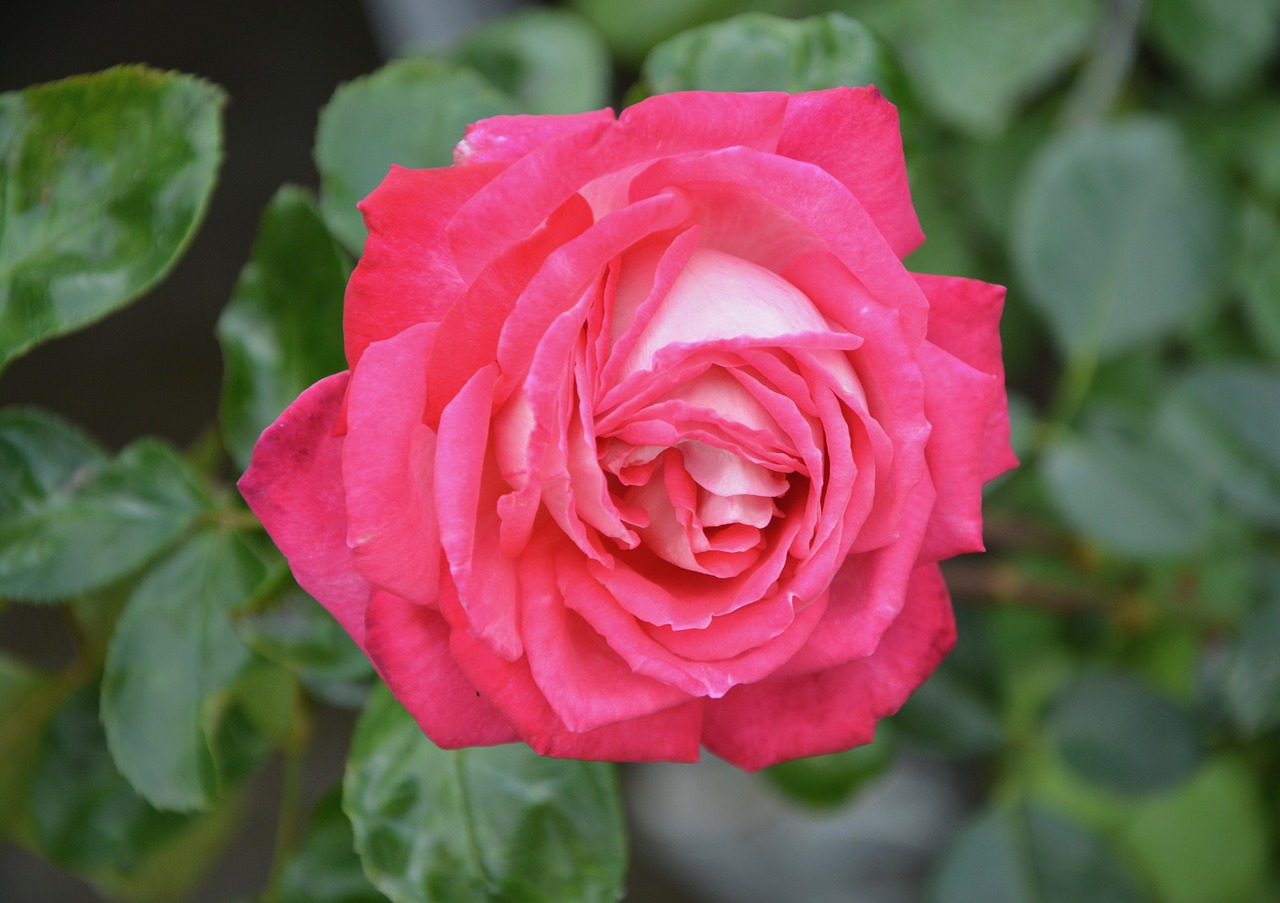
507	138
669	735
387	468
294	486
406	274
853	134
958	402
409	645
782	718
540	181
964	319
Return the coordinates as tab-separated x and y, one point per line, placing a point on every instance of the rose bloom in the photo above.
649	441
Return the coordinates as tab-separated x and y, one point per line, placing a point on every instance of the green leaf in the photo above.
173	654
325	867
1118	734
832	780
293	630
1120	235
549	60
1251	683
1206	843
1221	45
1258	275
103	180
975	63
757	52
71	521
1026	855
282	330
408	113
1214	417
1128	490
85	815
498	824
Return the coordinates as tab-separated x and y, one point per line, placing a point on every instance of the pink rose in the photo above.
649	439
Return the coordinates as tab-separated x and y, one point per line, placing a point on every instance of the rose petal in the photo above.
469	331
409	644
508	138
468	486
406	274
964	319
853	134
815	200
388	468
866	595
669	735
957	401
782	718
523	195
294	486
585	682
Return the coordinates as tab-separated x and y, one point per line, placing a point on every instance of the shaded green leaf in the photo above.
28	699
1120	235
71	521
1128	490
408	113
633	29
1258	274
1221	45
293	630
1251	683
1117	733
975	63
85	814
498	824
832	780
1208	841
758	52
1217	416
549	60
947	715
1025	855
325	867
173	654
103	180
282	330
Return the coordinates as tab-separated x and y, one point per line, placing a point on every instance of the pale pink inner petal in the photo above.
720	296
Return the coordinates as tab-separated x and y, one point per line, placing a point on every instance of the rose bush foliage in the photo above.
649	440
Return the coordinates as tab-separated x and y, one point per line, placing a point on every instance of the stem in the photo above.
1108	67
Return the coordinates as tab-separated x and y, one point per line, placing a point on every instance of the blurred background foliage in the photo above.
1111	714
